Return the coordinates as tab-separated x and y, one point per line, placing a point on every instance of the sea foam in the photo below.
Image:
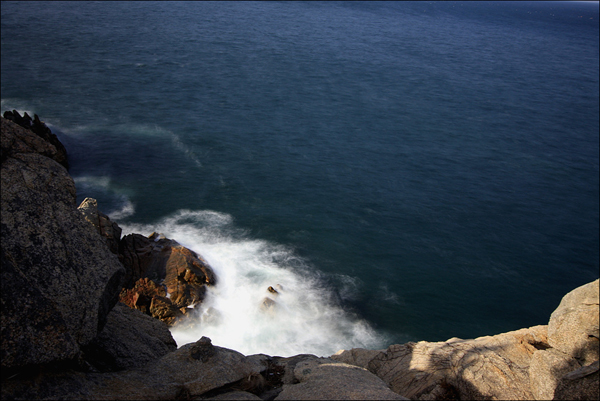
304	318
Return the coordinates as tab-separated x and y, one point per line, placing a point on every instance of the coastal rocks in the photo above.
163	278
491	367
59	280
39	128
151	299
558	361
129	339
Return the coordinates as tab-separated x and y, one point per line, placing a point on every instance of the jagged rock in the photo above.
59	280
129	339
18	140
106	228
39	128
326	379
573	326
181	270
151	299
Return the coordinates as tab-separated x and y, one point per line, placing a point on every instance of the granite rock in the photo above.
129	339
59	280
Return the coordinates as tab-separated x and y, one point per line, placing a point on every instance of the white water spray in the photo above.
302	319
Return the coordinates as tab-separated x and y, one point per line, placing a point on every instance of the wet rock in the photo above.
184	273
150	298
268	305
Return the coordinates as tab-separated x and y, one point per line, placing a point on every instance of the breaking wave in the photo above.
303	317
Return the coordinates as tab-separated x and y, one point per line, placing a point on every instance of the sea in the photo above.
402	171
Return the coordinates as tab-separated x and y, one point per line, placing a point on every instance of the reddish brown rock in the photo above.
151	299
183	272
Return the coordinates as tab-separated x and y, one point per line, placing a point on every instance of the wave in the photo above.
303	317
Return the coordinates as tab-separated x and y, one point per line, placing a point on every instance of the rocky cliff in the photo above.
66	336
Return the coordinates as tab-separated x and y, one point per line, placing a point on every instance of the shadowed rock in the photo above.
59	280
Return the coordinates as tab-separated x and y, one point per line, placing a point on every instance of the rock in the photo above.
546	369
101	222
40	129
59	279
129	339
326	379
581	384
573	326
151	299
186	371
356	356
491	367
268	305
235	395
18	140
183	272
272	290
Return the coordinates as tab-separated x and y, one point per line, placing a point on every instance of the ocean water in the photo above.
404	170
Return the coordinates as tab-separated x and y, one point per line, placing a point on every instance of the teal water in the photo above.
408	171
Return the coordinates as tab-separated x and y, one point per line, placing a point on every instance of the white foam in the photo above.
305	318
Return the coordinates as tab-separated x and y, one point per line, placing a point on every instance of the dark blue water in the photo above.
432	167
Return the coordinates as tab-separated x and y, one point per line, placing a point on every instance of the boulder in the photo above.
326	379
59	280
546	369
129	339
164	260
573	326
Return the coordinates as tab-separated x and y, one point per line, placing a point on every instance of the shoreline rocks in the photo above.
65	336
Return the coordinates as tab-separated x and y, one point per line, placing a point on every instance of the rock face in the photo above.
59	281
558	361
